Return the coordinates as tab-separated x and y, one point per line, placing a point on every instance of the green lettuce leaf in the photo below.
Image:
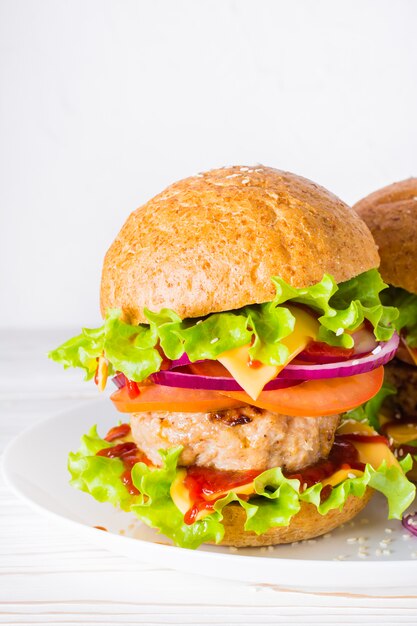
406	303
277	498
98	475
133	349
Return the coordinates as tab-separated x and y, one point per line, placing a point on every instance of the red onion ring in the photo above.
119	380
410	523
170	378
357	365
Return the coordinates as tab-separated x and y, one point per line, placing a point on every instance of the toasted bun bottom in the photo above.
308	523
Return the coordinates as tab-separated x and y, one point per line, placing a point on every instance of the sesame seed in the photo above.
232	175
199	322
305	486
352	540
215	340
405	537
362	539
244	169
386	552
232	549
311	541
341	557
384	542
363	555
350	475
245	181
378	552
388	530
339	332
271	548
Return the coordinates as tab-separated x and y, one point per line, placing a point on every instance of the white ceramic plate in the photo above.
369	552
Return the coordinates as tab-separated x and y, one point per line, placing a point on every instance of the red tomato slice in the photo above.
161	398
317	351
314	398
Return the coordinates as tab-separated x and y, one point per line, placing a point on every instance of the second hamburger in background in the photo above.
391	215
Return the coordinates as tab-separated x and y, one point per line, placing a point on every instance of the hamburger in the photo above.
244	331
391	215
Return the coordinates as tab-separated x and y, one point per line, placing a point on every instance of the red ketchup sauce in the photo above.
365	438
127	452
203	482
343	455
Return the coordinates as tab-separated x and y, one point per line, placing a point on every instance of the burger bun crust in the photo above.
212	242
307	524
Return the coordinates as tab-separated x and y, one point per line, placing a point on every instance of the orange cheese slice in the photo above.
339	476
373	453
253	379
402	432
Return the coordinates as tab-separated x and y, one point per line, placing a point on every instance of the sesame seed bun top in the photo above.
391	215
211	243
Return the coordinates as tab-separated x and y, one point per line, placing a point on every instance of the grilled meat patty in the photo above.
236	439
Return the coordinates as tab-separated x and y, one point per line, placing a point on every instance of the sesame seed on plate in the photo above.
384	542
388	530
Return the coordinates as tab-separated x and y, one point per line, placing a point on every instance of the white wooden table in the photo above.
51	577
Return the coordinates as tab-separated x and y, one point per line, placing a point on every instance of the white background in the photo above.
103	103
